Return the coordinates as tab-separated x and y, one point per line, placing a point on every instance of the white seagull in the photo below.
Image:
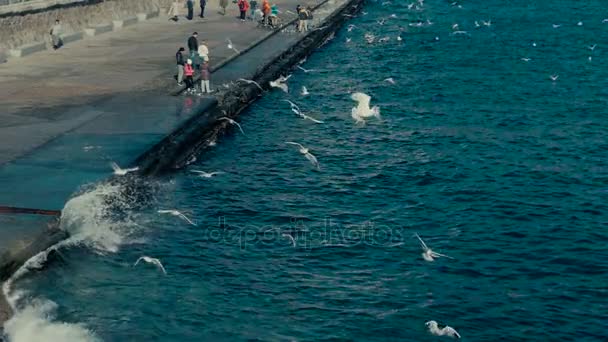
121	172
445	331
351	27
525	59
305	70
178	214
204	174
554	77
231	46
251	82
153	261
557	25
428	253
362	110
297	111
487	23
280	83
348	40
399	38
232	122
390	80
304	91
312	159
592	47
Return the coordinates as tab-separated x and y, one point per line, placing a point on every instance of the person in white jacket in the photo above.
56	32
203	50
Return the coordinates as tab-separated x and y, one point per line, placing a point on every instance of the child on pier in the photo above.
189	72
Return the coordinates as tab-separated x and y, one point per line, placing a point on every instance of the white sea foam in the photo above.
89	219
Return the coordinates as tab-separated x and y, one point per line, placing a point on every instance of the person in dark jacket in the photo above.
179	58
203	4
190	4
193	44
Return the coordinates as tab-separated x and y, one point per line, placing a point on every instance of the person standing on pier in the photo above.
203	4
190	4
203	50
205	87
243	8
179	58
193	44
56	35
189	72
266	11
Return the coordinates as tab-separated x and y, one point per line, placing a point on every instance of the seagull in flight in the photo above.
399	38
556	26
525	59
311	158
554	77
460	32
298	112
390	80
304	91
351	27
152	261
178	214
305	70
348	40
232	122
592	47
251	82
445	331
121	172
280	83
487	23
428	253
204	174
580	23
231	46
455	27
477	24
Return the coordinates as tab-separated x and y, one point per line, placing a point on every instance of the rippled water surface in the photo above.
478	151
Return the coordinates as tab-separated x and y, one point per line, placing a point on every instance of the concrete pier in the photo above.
110	95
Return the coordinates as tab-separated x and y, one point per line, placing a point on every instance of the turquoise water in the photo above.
478	151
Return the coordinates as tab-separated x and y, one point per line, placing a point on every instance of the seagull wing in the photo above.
451	331
132	169
437	255
313	160
293	241
294	143
198	171
312	119
293	105
185	218
239	126
137	262
163	211
362	99
424	247
159	265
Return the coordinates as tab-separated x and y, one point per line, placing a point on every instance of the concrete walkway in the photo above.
35	90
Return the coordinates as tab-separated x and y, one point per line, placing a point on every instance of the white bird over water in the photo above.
445	331
311	158
298	112
399	38
554	77
390	80
525	59
362	110
232	122
557	25
204	174
280	83
178	214
369	38
487	23
304	91
428	253
305	70
455	27
121	172
152	261
351	27
592	47
251	82
231	46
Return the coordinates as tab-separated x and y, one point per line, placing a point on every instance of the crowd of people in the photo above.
197	60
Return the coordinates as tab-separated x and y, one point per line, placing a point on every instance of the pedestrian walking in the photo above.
174	12
56	32
243	8
189	72
179	58
203	3
190	5
223	5
193	44
205	75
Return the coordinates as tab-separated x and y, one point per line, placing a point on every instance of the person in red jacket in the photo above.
189	72
243	7
266	11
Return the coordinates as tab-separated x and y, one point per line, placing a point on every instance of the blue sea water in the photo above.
479	152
